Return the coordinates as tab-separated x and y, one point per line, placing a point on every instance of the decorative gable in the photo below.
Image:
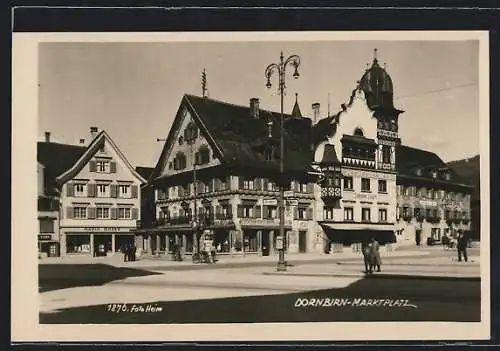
186	147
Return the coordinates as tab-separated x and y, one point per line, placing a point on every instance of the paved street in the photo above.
252	291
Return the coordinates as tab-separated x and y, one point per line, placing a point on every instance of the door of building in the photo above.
302	241
266	244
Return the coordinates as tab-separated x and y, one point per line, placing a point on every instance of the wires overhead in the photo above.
460	86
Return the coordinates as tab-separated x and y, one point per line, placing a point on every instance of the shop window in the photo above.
78	243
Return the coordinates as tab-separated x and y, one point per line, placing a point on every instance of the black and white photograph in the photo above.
222	180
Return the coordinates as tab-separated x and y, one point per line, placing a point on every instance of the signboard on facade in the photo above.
42	237
366	196
293	202
288	193
270	202
428	203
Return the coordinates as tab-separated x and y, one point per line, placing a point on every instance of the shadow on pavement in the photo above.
457	301
63	276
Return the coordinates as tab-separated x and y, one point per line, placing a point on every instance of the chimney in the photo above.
315	108
82	141
254	107
93	132
47	137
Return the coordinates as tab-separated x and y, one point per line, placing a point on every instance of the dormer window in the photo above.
358	132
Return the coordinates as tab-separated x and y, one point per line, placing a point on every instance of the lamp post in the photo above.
280	69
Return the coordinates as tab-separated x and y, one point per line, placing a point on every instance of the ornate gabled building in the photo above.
219	169
96	191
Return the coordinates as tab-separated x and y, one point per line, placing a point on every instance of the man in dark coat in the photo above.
365	249
375	259
462	246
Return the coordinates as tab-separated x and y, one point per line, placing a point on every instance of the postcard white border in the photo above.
25	298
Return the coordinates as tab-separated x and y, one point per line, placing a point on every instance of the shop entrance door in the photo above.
302	241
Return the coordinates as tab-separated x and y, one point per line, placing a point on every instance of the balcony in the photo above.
330	193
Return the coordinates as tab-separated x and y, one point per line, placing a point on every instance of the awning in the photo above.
351	236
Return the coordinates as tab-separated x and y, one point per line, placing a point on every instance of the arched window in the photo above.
191	132
179	161
358	132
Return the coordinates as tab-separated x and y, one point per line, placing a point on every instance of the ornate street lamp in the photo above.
280	69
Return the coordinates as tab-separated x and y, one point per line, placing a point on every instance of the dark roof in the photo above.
410	160
296	109
329	155
57	159
145	172
358	139
323	128
241	136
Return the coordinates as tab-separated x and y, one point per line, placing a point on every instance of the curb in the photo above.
379	276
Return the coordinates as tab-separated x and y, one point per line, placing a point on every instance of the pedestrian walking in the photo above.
462	246
375	259
134	252
365	249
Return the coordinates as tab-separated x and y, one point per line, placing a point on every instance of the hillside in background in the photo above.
469	169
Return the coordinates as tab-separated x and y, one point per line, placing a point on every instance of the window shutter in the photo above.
114	190
134	191
112	167
93	166
257	211
309	213
257	183
240	182
310	188
240	211
70	189
91	212
135	213
113	212
69	212
91	190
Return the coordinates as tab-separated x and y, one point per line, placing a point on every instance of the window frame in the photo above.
365	181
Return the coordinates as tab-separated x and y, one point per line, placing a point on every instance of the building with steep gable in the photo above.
344	173
97	192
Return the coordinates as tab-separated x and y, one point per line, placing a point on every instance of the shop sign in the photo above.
270	202
44	237
428	203
106	229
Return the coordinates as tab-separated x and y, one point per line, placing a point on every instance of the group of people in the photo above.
129	253
371	255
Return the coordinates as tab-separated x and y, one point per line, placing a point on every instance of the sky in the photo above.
133	90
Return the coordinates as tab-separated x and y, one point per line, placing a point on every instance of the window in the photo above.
248	184
348	183
102	213
365	184
382	186
382	215
268	154
125	191
407	191
180	161
303	187
191	132
207	187
124	213
245	211
203	156
348	214
102	190
46	225
80	212
365	215
301	213
358	132
328	212
102	166
386	154
80	190
271	186
270	212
